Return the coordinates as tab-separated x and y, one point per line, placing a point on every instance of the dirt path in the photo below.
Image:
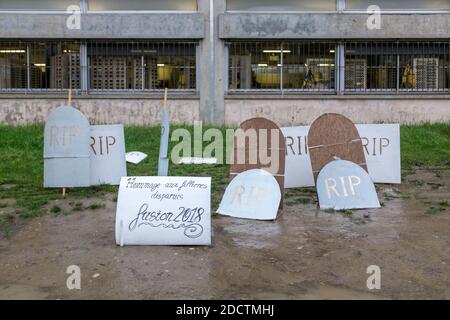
307	254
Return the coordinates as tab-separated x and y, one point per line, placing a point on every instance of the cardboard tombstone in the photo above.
342	185
259	144
108	163
163	163
333	136
66	149
381	143
253	194
164	211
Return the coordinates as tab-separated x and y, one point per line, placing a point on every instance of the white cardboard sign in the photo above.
381	144
135	157
164	211
252	194
108	164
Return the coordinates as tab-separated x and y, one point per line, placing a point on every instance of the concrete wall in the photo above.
104	26
19	111
288	111
332	26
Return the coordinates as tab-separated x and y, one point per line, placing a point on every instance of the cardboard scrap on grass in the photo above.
343	185
135	157
197	160
164	211
253	194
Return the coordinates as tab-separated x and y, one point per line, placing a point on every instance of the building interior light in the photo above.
325	65
276	51
332	51
160	65
143	51
12	51
262	64
39	64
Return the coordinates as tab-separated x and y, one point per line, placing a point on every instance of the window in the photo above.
286	66
39	65
111	5
111	66
141	65
399	4
281	5
397	66
37	5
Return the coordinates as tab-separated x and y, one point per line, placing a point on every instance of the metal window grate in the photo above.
112	66
399	67
141	66
288	66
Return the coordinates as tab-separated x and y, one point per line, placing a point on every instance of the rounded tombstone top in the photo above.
67	134
342	184
252	194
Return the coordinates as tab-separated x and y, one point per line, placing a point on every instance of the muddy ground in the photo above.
306	254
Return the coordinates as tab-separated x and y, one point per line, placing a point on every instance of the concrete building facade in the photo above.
224	60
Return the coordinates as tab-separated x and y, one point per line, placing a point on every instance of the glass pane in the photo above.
304	65
398	4
124	65
108	5
13	65
384	66
54	65
281	5
37	5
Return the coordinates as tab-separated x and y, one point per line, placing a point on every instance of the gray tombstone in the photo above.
66	149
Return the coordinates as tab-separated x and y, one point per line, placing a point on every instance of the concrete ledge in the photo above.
336	97
295	112
100	111
104	26
332	26
131	96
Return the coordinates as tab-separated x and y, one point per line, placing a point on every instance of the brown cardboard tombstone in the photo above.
333	135
260	132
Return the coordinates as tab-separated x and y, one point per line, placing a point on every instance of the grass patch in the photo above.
426	145
78	207
21	165
56	209
96	206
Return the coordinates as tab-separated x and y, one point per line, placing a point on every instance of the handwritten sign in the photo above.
343	184
108	164
381	145
164	211
253	194
66	149
135	157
